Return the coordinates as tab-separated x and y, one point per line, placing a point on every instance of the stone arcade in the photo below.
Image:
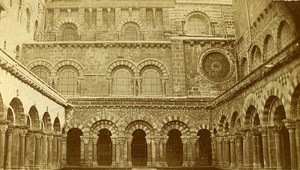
149	84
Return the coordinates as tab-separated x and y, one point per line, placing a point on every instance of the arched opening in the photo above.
244	67
285	34
28	19
10	116
67	81
56	125
17	106
69	32
197	25
47	122
34	116
205	149
256	58
174	148
139	148
131	34
42	72
151	82
36	26
122	82
73	146
104	148
269	47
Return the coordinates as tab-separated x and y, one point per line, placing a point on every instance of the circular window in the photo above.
216	66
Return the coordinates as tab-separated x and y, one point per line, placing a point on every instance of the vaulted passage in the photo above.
174	148
73	146
139	148
104	145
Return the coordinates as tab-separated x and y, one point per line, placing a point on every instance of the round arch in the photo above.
104	124
73	63
179	125
18	110
119	63
139	124
35	120
47	122
153	62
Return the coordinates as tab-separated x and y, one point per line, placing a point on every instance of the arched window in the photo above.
42	72
69	32
269	45
197	25
255	57
36	26
244	67
67	81
28	17
131	34
285	35
122	83
151	83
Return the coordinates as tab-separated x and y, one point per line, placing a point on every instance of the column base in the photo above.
185	163
164	164
149	164
193	163
233	165
129	164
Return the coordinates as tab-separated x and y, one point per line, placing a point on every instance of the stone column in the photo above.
149	151
44	150
86	141
28	149
220	151
118	149
95	141
298	141
185	150
227	151
263	132
10	131
278	147
129	156
164	152
255	147
64	150
239	142
194	142
2	145
291	126
38	150
114	142
54	150
214	150
232	152
22	149
122	149
59	149
157	151
50	143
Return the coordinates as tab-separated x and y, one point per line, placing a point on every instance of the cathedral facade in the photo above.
110	84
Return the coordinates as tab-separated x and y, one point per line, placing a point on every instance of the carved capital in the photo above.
290	124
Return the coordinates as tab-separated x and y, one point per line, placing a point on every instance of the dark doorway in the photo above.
104	148
73	146
139	148
205	154
174	148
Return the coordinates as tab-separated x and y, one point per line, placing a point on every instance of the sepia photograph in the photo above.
149	84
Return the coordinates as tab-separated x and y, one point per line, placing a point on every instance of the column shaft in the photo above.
95	140
265	148
129	156
293	148
278	149
113	151
9	148
2	145
149	152
38	150
22	149
232	152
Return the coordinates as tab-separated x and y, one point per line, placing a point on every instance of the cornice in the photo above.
138	102
103	44
20	72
